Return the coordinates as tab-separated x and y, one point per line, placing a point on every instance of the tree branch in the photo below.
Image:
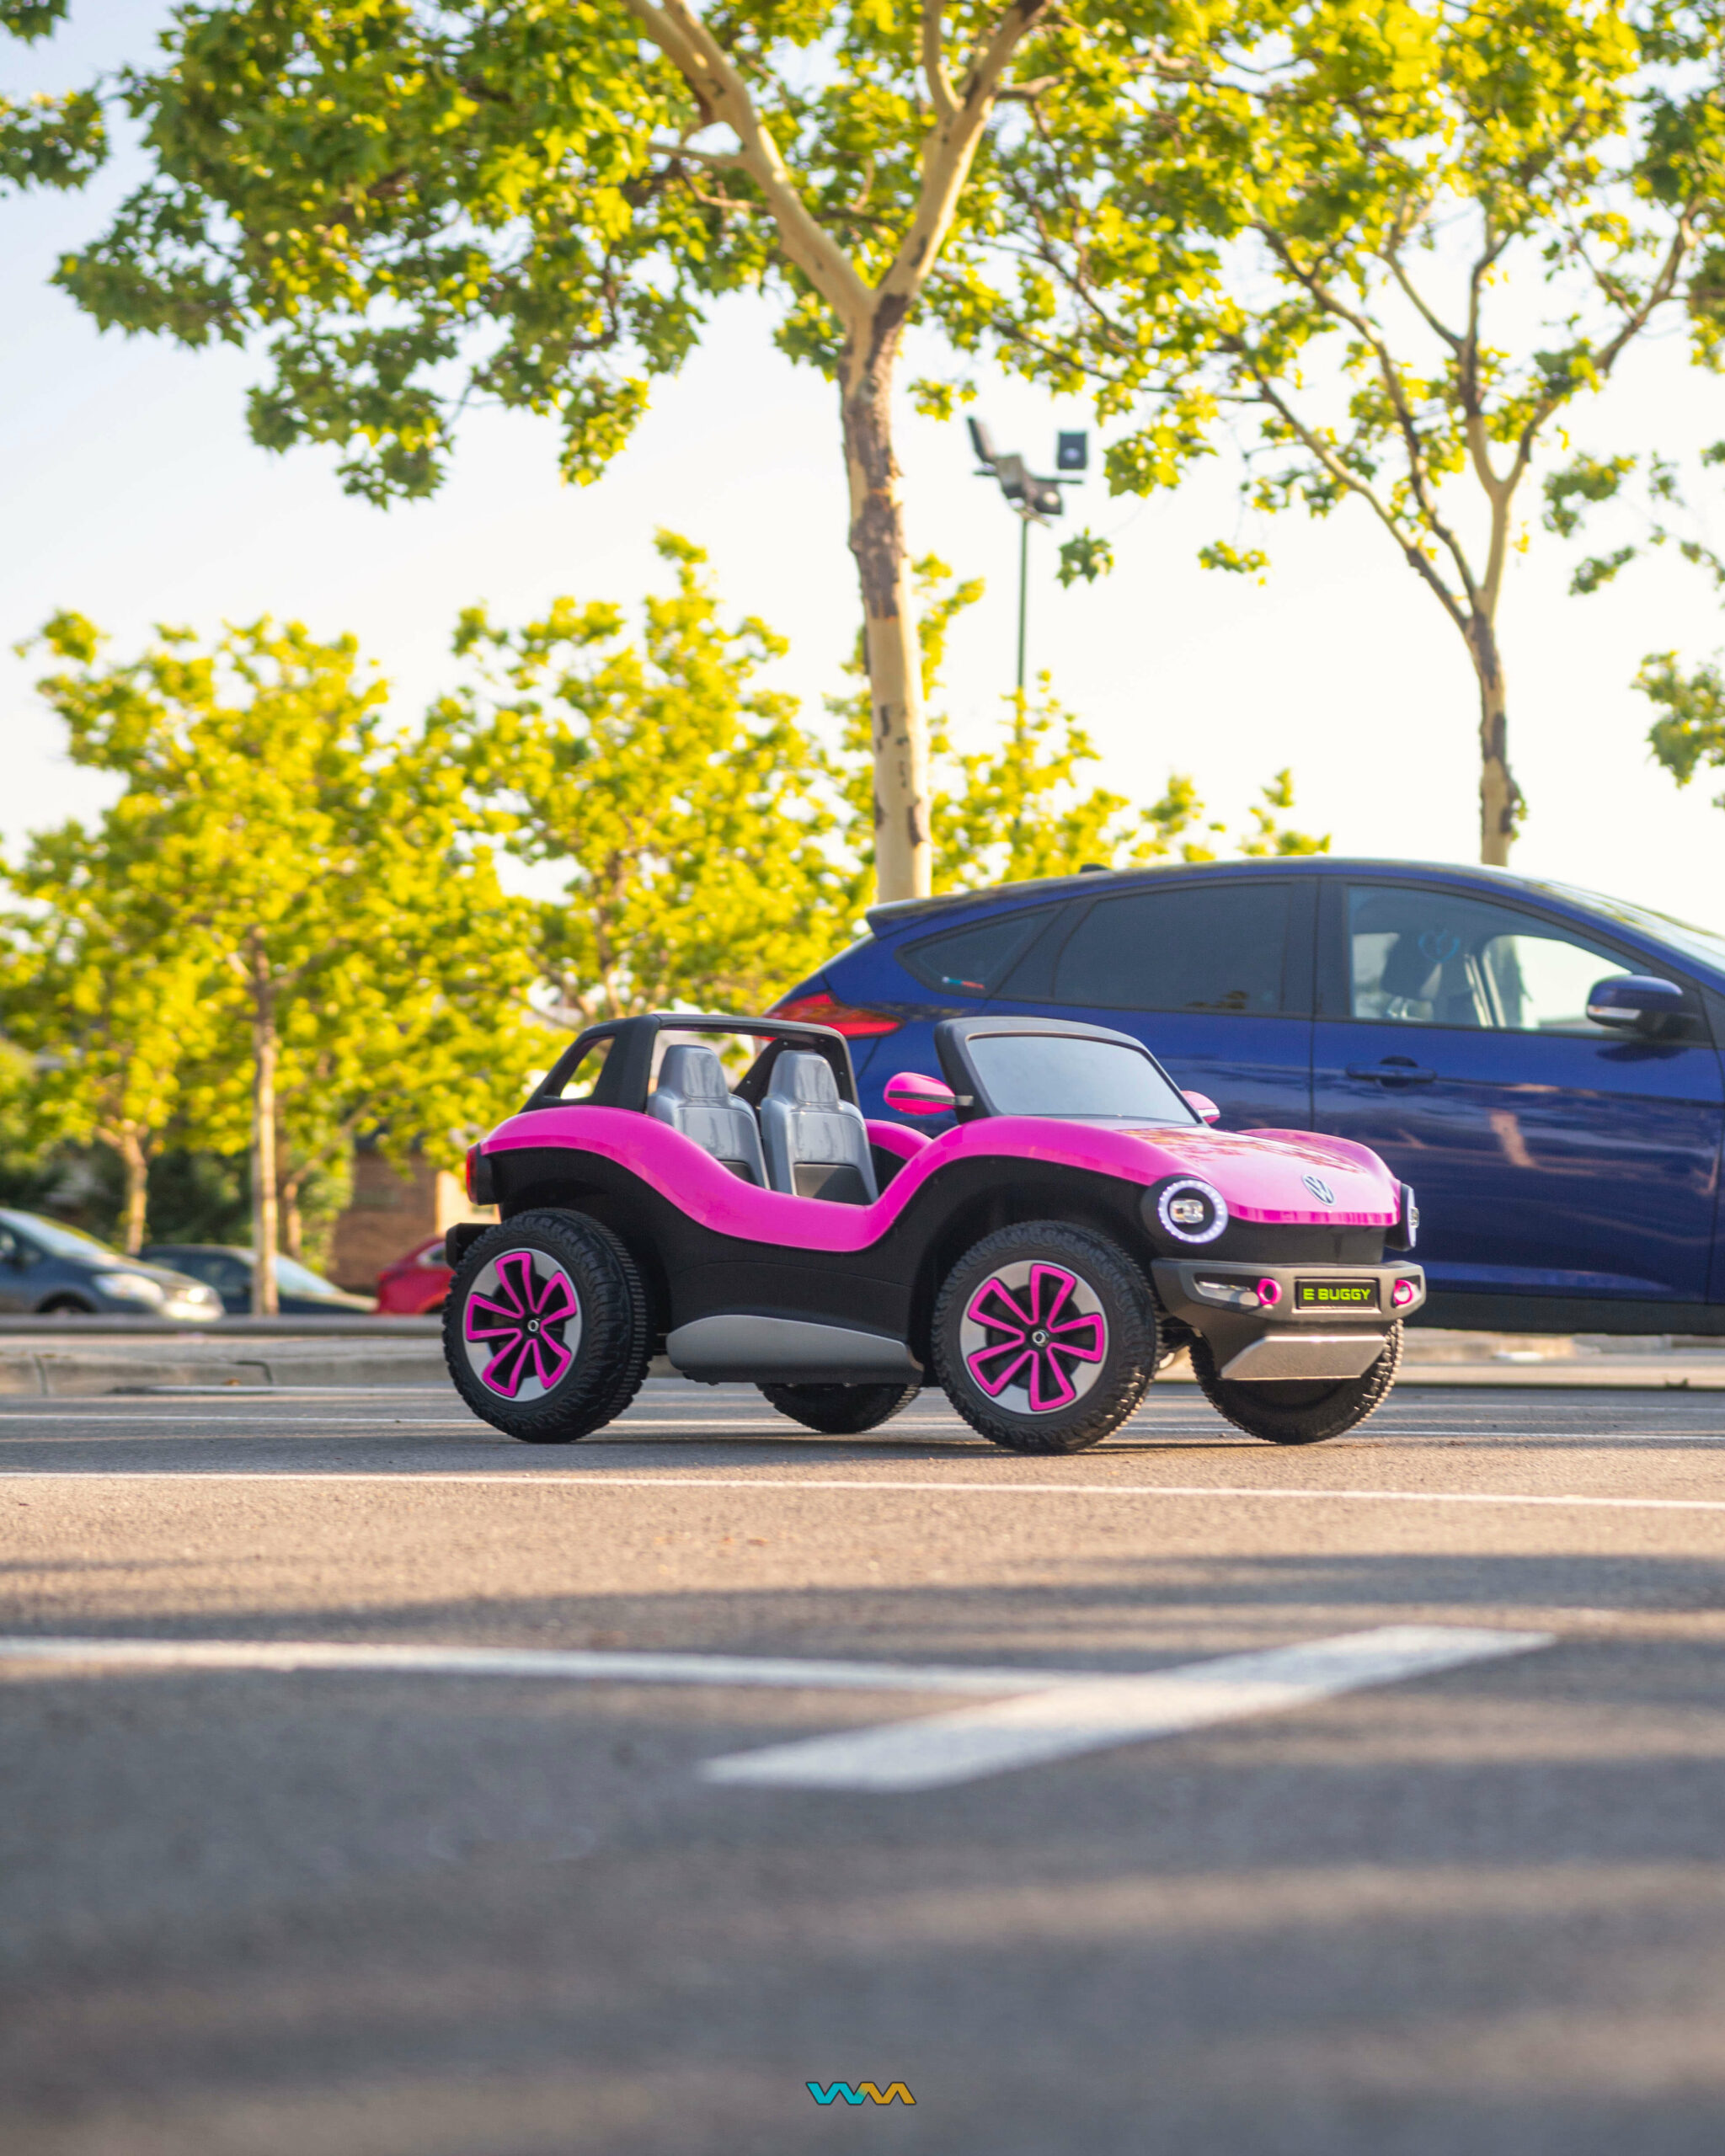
1413	448
720	93
1450	336
948	151
1316	446
934	66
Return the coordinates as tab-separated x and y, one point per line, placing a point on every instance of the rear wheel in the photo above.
68	1306
839	1411
545	1328
1298	1414
1045	1336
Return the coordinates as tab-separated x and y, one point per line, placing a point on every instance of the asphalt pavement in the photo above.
372	1785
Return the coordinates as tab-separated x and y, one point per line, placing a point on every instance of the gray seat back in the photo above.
692	1096
817	1145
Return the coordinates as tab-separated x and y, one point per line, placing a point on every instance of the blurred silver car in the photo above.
48	1269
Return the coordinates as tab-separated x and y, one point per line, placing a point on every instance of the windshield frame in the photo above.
957	1040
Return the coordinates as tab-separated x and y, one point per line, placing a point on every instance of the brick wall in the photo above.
392	1210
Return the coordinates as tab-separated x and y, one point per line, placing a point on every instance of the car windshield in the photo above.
1706	944
62	1241
1082	1081
301	1280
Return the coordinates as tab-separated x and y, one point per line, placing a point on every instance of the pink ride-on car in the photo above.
1037	1259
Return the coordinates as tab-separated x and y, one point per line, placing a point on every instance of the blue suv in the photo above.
1542	1064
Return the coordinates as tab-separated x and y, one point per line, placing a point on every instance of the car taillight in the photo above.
472	1161
844	1018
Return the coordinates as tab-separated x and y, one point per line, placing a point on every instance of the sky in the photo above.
133	494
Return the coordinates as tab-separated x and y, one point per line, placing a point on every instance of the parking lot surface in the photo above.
373	1784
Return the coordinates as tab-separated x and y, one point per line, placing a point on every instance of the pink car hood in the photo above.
1263	1174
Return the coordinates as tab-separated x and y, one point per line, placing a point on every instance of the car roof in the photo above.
896	913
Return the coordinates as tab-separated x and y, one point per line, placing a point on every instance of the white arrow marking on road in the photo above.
1038	1727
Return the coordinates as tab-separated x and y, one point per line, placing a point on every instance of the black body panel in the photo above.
693	1272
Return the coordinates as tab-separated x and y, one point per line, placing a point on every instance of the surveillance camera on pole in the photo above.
1032	498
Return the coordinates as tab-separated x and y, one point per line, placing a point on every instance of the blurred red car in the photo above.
415	1285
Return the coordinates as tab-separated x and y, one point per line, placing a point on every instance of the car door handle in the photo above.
1391	1072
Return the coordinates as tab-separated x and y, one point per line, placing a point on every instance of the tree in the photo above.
427	200
46	140
322	875
1393	249
1024	805
108	998
1691	732
690	811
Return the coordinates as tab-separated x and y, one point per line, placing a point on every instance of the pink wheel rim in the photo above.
521	1325
1034	1337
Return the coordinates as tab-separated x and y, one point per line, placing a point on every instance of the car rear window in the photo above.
1213	946
975	961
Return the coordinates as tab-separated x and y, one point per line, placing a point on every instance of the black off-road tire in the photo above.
1298	1413
840	1411
1107	1386
604	1345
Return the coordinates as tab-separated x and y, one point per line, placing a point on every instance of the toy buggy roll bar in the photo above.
628	1068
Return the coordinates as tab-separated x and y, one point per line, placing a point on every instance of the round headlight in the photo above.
1190	1210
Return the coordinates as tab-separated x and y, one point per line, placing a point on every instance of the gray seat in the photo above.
692	1096
817	1145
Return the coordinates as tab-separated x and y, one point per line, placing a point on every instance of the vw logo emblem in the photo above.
1320	1189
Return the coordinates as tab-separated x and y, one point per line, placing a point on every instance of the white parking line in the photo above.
1038	1726
573	1478
1048	1714
577	1663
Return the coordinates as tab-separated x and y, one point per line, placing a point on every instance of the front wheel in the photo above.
545	1327
839	1411
1045	1336
1298	1413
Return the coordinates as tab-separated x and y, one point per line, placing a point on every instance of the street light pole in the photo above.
1032	500
1023	592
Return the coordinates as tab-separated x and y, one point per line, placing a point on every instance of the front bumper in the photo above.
1266	1324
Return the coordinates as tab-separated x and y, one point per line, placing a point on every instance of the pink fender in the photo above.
1260	1177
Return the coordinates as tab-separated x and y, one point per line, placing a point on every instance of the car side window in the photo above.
1427	956
1213	946
975	961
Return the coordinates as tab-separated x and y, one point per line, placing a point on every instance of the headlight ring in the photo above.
1191	1210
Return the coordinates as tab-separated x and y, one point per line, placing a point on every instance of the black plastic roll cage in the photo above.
624	1080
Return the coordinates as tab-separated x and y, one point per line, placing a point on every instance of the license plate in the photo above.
1336	1295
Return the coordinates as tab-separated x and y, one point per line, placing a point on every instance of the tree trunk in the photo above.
136	1163
293	1230
1500	802
263	1216
898	725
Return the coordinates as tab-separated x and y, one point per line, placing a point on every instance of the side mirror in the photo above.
1203	1107
1633	1002
912	1094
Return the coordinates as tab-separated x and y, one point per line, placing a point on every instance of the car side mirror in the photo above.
912	1094
1203	1107
1634	1002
